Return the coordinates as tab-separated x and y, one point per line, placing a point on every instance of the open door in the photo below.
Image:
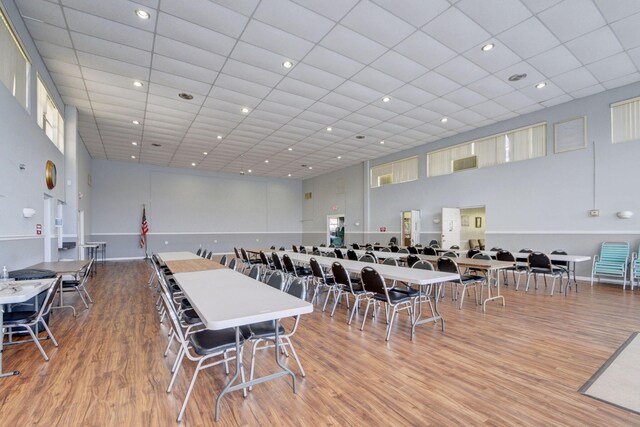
335	230
450	227
410	228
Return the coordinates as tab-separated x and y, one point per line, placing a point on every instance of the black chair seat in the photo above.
208	341
407	291
395	297
517	268
16	317
185	304
190	317
303	271
70	283
555	270
470	278
175	288
262	329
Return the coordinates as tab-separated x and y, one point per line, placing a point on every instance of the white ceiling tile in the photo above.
118	80
207	14
363	120
108	30
183	69
301	88
377	24
412	95
533	75
61	53
425	50
190	86
627	31
495	16
344	102
316	76
41	10
377	80
465	97
332	62
491	87
332	9
619	9
49	33
352	45
242	86
550	91
376	112
595	45
461	70
555	101
290	99
235	98
612	68
395	64
276	40
555	61
251	73
415	12
537	6
539	39
572	18
514	101
274	107
468	116
634	54
468	35
621	81
111	65
489	109
165	96
424	115
66	80
105	48
494	60
359	92
435	83
194	35
397	105
575	79
294	19
444	106
188	53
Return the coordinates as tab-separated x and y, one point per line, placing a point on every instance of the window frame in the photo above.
611	110
4	19
391	164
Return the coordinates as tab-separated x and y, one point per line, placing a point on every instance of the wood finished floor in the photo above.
516	365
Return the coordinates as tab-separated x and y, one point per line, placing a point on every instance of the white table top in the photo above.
23	290
404	274
224	298
96	243
552	257
177	256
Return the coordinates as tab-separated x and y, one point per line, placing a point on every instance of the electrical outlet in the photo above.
594	212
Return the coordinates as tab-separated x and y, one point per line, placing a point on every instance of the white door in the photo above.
80	233
450	227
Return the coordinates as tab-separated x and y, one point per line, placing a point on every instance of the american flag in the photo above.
144	229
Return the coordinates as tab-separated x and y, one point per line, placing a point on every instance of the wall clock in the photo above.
50	174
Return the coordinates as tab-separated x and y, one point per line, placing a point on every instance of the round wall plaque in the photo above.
50	174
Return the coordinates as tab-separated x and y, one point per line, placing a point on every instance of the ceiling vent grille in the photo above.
465	163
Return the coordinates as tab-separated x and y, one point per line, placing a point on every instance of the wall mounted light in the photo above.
28	212
624	214
436	220
357	224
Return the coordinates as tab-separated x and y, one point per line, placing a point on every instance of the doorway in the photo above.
335	230
463	227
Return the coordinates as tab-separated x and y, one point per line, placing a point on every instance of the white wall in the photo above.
187	209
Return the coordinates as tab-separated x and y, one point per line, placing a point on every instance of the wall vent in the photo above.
465	163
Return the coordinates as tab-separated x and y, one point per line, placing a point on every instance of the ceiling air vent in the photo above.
465	163
308	196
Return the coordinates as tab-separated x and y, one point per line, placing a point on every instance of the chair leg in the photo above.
82	298
46	327
464	288
366	311
393	315
295	356
336	300
84	288
253	360
186	398
331	291
35	340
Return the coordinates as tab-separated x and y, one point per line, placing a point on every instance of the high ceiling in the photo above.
347	55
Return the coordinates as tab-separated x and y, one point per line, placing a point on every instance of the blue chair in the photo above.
612	261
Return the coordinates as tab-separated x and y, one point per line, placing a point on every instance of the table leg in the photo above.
229	387
497	296
61	303
436	312
4	374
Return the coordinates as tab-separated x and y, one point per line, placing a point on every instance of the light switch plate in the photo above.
594	212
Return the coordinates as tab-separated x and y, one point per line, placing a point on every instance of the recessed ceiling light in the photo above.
186	96
339	157
193	164
134	143
266	161
142	14
205	153
245	110
219	137
133	157
540	85
138	83
135	122
249	170
310	167
287	64
487	47
386	99
444	120
381	142
329	129
289	174
290	149
516	77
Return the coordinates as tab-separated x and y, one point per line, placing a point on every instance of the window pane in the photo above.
625	121
395	172
14	67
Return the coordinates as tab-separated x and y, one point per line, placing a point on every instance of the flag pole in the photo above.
146	256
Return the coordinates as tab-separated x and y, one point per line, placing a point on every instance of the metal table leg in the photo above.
497	296
60	302
437	316
11	373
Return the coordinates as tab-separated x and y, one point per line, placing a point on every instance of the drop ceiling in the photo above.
425	55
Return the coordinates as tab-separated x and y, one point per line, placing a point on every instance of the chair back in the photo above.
393	241
412	259
237	252
282	248
330	254
368	258
295	248
614	252
480	255
428	250
332	245
340	275
317	271
385	249
297	289
210	255
314	248
481	244
276	280
245	257
265	259
273	247
48	300
403	251
448	265
288	265
560	252
277	264
355	246
454	247
472	252
351	255
394	248
338	253
435	246
372	281
199	251
496	249
525	251
450	255
233	264
412	250
390	261
203	254
303	250
323	245
254	273
503	255
433	242
316	252
223	260
539	260
423	265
